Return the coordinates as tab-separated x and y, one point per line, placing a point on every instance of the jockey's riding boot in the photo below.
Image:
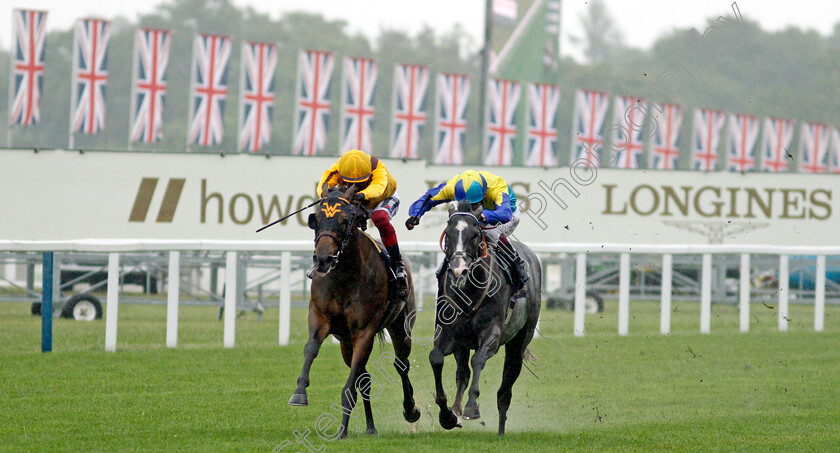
518	268
401	283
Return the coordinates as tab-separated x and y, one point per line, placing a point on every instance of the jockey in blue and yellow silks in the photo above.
377	193
500	216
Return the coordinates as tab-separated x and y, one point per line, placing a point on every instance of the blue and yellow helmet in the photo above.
470	187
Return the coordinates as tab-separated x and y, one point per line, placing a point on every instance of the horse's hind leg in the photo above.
462	377
514	352
488	344
402	349
318	330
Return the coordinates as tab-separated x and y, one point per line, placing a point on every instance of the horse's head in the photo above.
333	223
464	243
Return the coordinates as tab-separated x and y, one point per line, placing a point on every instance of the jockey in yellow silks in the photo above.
500	216
377	192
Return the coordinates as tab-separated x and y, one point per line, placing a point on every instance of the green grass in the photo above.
761	391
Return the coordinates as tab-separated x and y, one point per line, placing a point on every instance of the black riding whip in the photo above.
286	217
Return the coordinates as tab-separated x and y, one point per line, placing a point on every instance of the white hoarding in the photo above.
60	195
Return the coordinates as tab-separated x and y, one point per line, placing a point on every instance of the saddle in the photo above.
395	304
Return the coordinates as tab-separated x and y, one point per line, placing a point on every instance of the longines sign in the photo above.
57	195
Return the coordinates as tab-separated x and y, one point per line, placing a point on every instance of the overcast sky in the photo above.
640	21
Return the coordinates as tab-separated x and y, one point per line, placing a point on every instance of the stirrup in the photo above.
400	282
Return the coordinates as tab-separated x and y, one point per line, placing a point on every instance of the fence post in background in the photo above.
47	302
706	294
624	294
784	282
112	302
665	310
744	275
819	295
173	287
285	296
230	299
580	293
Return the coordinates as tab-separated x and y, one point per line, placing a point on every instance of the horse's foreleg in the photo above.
402	349
447	418
318	330
488	344
362	345
462	377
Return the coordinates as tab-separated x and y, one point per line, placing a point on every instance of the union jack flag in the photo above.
835	150
590	113
256	101
627	137
666	136
313	101
151	56
453	90
543	100
209	89
776	140
813	147
357	110
90	75
410	85
740	147
27	66
705	137
500	130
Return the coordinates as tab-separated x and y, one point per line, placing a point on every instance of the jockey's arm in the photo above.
378	183
501	213
437	195
330	175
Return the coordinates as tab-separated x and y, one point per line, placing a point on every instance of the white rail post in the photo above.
285	297
173	287
706	294
624	294
819	296
665	310
784	284
230	300
744	275
112	301
580	293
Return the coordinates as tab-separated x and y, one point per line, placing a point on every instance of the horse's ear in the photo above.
451	209
477	210
350	191
313	221
325	190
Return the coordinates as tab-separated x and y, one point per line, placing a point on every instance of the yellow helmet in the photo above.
354	166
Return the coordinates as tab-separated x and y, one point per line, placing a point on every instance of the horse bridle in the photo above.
483	245
340	237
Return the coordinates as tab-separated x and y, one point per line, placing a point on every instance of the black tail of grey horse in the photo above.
474	313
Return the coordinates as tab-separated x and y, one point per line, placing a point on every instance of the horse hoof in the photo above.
471	412
298	399
371	431
412	416
448	419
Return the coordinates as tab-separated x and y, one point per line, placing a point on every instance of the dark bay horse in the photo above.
349	299
473	304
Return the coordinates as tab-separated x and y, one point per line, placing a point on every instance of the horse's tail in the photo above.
529	356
